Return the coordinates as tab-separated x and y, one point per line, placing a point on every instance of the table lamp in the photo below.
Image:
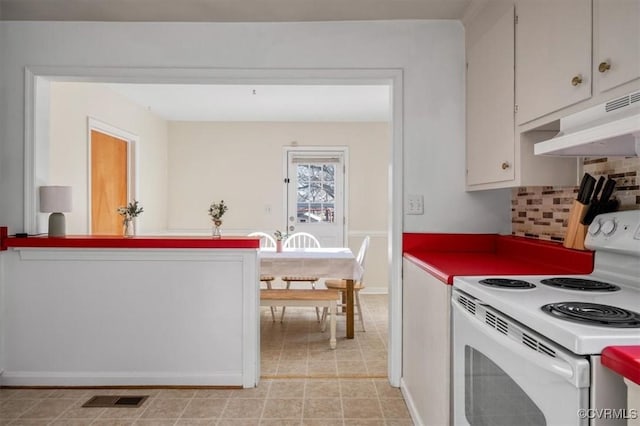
55	200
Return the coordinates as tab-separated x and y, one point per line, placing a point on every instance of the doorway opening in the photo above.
36	143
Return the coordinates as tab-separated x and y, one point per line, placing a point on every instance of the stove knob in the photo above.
594	228
609	227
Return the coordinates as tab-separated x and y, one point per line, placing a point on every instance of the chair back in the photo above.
301	240
362	254
266	240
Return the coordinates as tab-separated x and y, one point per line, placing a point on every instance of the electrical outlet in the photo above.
415	204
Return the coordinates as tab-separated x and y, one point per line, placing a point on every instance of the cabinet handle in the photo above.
604	66
505	165
576	80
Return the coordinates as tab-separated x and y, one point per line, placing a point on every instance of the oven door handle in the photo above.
573	370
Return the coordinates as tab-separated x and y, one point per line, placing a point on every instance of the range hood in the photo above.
608	129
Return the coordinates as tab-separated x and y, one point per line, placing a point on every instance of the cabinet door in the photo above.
553	55
426	330
490	103
617	42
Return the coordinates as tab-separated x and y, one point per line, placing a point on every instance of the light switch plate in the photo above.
415	204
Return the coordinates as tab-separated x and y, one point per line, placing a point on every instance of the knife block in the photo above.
576	231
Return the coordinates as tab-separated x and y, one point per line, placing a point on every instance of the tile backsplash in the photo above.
542	211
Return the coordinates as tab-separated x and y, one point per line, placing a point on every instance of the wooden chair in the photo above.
301	240
266	241
358	285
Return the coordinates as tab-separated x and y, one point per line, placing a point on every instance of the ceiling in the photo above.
230	10
194	102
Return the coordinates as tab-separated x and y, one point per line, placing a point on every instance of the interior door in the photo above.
109	182
315	195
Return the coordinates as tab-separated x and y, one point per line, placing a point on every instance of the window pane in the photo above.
316	193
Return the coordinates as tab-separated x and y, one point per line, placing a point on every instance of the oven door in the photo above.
505	374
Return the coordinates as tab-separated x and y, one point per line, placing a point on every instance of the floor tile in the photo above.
123	413
287	389
283	409
243	408
362	408
322	368
14	408
364	422
239	422
164	408
47	409
196	422
113	422
323	408
321	389
204	408
280	422
394	409
358	389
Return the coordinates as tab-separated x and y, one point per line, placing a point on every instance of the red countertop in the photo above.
447	255
624	360
106	241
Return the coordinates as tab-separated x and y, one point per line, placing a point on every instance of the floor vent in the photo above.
116	401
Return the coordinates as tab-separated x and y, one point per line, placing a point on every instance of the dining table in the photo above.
326	262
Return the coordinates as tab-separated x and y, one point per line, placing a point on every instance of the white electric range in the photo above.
540	337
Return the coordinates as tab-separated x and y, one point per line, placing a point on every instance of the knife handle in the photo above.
607	191
574	237
588	189
599	185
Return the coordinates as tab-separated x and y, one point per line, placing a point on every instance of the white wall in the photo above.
70	106
210	161
429	53
242	163
427	57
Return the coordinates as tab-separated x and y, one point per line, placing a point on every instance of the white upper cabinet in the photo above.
490	99
616	47
553	55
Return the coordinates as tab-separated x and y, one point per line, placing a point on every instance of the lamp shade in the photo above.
55	199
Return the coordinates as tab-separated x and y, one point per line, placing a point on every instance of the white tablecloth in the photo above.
318	262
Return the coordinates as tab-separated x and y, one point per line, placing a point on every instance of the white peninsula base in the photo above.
118	316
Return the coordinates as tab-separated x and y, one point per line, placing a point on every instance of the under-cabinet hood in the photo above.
608	129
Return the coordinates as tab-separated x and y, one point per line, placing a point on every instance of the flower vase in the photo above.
129	229
278	246
216	229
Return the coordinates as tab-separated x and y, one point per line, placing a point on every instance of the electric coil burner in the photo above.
580	284
506	283
594	314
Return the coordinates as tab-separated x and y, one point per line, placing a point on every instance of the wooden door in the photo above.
109	182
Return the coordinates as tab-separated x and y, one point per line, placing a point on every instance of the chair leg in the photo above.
313	287
359	309
283	308
273	309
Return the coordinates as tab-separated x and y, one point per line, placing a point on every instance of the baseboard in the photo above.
411	406
61	379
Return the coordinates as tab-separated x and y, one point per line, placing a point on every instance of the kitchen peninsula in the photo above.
112	311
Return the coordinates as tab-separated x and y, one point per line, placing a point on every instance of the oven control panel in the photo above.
618	231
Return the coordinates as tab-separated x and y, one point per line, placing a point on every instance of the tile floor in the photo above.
303	383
